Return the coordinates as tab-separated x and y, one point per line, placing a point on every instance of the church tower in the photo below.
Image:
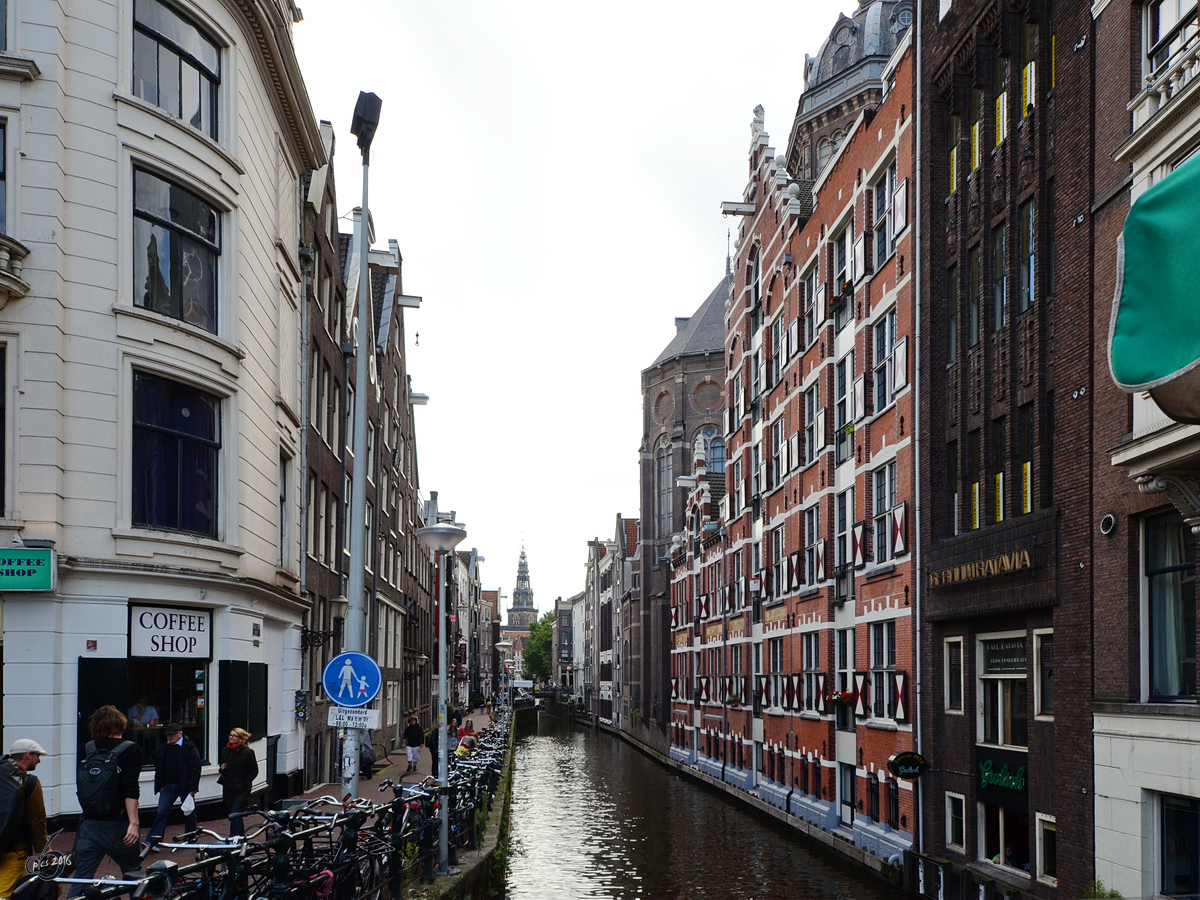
522	614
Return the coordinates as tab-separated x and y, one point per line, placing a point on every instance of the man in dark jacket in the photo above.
176	776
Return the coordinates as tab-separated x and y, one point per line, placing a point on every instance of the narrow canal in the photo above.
593	817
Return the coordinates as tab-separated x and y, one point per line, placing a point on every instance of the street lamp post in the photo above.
366	120
442	538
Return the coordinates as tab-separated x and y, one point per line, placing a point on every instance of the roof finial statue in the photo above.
758	126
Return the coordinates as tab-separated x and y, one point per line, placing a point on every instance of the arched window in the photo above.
664	481
824	152
753	278
714	449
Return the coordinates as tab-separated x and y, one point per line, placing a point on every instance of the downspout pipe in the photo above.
918	272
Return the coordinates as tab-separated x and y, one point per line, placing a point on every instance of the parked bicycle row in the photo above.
323	849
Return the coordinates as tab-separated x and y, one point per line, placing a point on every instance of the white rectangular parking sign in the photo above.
353	717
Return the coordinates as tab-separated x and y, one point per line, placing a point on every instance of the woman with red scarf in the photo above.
237	776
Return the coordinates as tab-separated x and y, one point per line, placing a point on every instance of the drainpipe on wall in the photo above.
918	825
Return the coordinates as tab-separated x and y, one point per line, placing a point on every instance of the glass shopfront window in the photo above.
169	653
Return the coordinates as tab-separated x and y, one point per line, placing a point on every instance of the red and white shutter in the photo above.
900	364
898	682
674	616
856	539
860	694
860	398
674	688
900	529
820	692
764	691
821	559
860	257
900	207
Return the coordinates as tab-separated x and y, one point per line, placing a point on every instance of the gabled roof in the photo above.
704	331
631	537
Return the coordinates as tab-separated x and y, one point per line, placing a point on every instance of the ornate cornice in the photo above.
1181	488
281	71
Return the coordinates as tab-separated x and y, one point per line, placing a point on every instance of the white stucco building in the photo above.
149	349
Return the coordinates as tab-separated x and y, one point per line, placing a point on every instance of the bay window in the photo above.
175	65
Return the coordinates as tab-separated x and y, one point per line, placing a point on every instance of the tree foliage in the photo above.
538	649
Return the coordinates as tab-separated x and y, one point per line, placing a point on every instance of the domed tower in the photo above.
842	80
522	614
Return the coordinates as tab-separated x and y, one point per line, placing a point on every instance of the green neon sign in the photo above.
24	569
1013	781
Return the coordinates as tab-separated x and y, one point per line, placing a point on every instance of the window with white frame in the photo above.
953	671
882	192
883	666
778	349
756	472
812	313
956	822
812	669
812	417
842	288
1043	650
844	522
884	345
1047	849
753	278
775	651
1003	684
177	241
735	489
1027	254
885	502
1169	564
1004	837
811	541
176	66
735	392
1170	27
844	669
778	448
779	581
739	587
756	385
843	398
176	449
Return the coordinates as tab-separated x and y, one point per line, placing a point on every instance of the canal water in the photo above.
593	817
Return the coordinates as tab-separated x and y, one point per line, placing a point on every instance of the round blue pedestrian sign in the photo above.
352	679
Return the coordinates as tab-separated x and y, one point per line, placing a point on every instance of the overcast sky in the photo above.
553	173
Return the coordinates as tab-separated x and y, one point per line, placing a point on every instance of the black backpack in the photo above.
98	782
15	786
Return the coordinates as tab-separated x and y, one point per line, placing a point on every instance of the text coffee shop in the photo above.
168	676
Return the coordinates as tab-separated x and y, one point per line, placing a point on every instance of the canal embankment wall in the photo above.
839	847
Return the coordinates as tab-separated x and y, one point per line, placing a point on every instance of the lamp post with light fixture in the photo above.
442	538
366	120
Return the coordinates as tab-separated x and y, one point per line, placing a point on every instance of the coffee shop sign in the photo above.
174	633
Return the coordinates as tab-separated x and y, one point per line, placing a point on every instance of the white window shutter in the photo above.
898	679
900	364
820	692
820	429
860	559
820	559
900	529
859	398
794	569
783	461
900	207
794	450
819	310
860	257
860	694
794	338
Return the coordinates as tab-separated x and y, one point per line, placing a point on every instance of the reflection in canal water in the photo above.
593	817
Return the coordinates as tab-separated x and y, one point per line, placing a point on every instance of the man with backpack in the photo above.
108	791
176	776
22	812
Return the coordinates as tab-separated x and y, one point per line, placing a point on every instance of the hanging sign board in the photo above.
26	569
170	632
907	764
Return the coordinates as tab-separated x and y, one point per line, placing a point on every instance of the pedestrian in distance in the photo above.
176	777
237	776
108	791
22	811
414	737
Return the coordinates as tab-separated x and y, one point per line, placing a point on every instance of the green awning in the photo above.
1154	333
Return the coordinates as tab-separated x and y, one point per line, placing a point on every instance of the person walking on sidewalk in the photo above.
176	777
237	776
29	833
108	791
414	739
